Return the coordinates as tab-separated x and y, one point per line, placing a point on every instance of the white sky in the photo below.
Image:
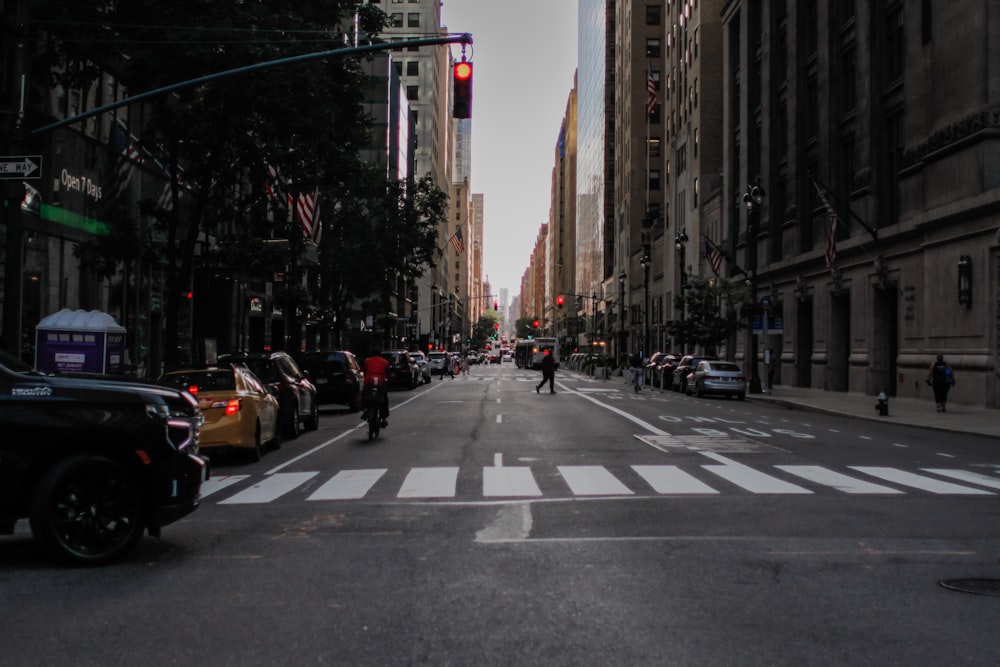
524	54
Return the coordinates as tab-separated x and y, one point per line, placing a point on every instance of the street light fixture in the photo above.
752	199
646	263
621	301
680	240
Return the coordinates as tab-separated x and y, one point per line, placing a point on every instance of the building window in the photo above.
412	93
653	15
413	68
413	20
654	147
654	180
895	46
397	19
694	202
652	48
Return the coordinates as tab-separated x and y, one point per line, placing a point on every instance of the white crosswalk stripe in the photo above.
500	482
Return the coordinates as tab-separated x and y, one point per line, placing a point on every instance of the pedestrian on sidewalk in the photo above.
548	373
941	378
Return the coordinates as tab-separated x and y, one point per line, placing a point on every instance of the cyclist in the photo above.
376	369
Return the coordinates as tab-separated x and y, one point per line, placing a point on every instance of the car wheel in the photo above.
87	510
256	452
313	422
291	425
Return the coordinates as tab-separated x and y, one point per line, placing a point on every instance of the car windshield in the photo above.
725	366
209	380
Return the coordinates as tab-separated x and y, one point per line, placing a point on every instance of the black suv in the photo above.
403	371
298	405
93	462
337	375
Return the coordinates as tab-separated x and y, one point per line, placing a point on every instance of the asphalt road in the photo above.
491	525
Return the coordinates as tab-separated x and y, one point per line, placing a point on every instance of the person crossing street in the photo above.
548	373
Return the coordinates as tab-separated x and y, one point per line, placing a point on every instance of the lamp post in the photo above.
645	262
753	198
680	241
621	301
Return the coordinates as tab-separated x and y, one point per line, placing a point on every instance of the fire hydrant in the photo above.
883	405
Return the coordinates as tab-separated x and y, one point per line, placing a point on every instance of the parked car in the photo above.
298	406
663	374
403	372
93	462
718	377
337	375
420	359
684	368
241	414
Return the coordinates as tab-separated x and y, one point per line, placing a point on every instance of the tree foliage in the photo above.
219	138
711	314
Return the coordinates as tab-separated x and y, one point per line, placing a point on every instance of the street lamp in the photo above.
752	199
621	301
680	239
645	262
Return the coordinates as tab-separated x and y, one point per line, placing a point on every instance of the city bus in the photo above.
540	347
523	353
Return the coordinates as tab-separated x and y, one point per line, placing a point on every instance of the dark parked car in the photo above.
684	368
337	375
93	462
298	406
403	371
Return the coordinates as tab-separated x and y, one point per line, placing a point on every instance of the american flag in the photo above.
714	256
831	233
652	101
128	158
456	241
273	187
307	206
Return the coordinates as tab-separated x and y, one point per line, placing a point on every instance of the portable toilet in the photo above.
80	341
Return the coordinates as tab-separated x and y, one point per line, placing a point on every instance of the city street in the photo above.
493	525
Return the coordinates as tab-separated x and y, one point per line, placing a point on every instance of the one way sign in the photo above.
21	166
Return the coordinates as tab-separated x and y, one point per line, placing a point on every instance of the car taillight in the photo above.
233	406
193	390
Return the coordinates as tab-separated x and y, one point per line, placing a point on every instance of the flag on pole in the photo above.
307	207
714	255
652	101
831	232
456	241
274	187
128	158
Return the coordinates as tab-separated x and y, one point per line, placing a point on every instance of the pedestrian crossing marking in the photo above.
753	480
919	481
509	482
670	480
967	476
216	484
348	485
270	488
501	482
836	480
593	481
430	483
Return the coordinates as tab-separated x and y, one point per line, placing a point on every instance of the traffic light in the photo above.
560	300
462	90
496	305
496	326
535	323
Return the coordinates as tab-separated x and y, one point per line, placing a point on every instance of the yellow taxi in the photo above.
240	413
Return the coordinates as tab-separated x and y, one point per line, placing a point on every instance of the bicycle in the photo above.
372	401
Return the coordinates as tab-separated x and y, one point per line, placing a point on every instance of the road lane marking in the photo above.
672	480
839	481
897	476
749	478
429	483
348	485
269	488
593	481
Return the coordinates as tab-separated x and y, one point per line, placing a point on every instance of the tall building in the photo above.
562	246
874	233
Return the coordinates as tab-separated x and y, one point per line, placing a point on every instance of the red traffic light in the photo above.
462	90
560	300
535	323
496	326
496	305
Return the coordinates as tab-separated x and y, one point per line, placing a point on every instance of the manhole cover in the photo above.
976	586
704	443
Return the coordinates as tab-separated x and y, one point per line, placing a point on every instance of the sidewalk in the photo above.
909	411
